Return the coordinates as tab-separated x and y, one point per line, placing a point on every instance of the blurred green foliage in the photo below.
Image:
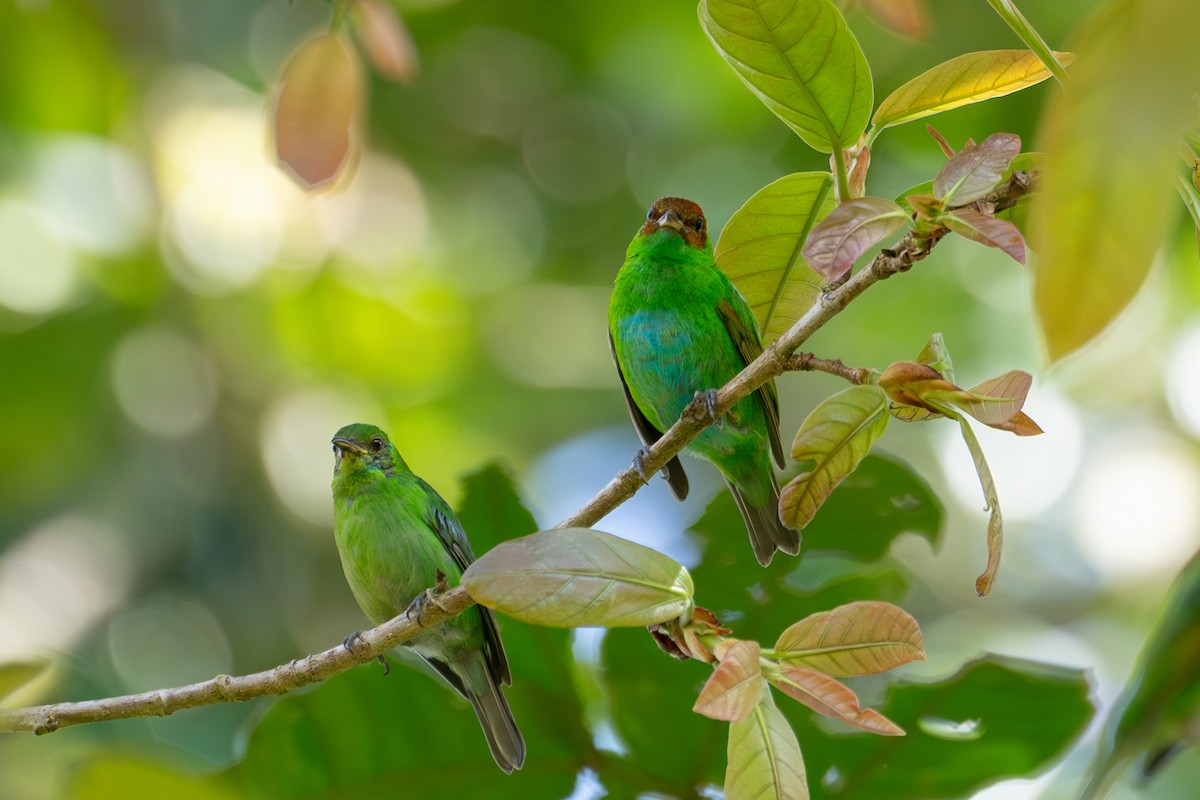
181	331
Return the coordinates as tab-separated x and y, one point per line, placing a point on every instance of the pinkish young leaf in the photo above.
831	698
386	40
976	169
852	229
986	229
317	111
734	688
859	638
999	399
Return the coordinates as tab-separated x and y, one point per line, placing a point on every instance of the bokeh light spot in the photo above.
37	271
163	381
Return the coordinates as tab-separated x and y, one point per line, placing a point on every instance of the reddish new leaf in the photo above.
976	169
855	639
852	229
734	688
386	40
988	230
317	111
831	698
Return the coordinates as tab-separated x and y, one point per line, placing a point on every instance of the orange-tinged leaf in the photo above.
906	17
386	40
837	434
988	230
759	249
855	639
734	688
1019	424
998	399
763	757
832	698
976	169
317	111
969	78
850	230
908	383
573	577
1105	196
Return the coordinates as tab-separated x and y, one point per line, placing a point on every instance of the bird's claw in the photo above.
638	463
387	668
353	639
430	596
710	405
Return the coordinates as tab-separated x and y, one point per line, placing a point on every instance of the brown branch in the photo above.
775	360
226	688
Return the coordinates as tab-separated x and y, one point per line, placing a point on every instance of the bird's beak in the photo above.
348	446
671	220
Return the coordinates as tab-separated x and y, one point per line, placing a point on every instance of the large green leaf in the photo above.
403	735
801	60
996	718
764	761
574	577
1111	140
117	777
836	436
969	78
760	249
877	502
650	707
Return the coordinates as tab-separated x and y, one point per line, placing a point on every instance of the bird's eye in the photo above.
698	224
376	445
650	213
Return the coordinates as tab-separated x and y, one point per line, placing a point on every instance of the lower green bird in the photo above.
1158	713
394	534
678	328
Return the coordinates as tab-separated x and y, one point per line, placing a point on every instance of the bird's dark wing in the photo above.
454	539
744	333
676	477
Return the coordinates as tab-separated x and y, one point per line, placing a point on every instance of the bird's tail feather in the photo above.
496	719
767	531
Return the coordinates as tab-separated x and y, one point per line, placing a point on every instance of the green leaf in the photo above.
574	577
1105	199
976	169
965	79
734	688
995	528
1026	715
876	503
760	249
764	757
831	698
860	638
117	776
935	354
836	435
361	734
850	230
987	230
19	679
651	697
800	60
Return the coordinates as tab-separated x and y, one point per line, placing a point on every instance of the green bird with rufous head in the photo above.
395	535
679	328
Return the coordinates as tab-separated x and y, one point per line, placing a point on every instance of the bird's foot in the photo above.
387	668
710	405
639	463
353	640
430	596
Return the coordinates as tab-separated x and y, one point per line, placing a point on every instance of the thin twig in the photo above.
775	360
225	688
